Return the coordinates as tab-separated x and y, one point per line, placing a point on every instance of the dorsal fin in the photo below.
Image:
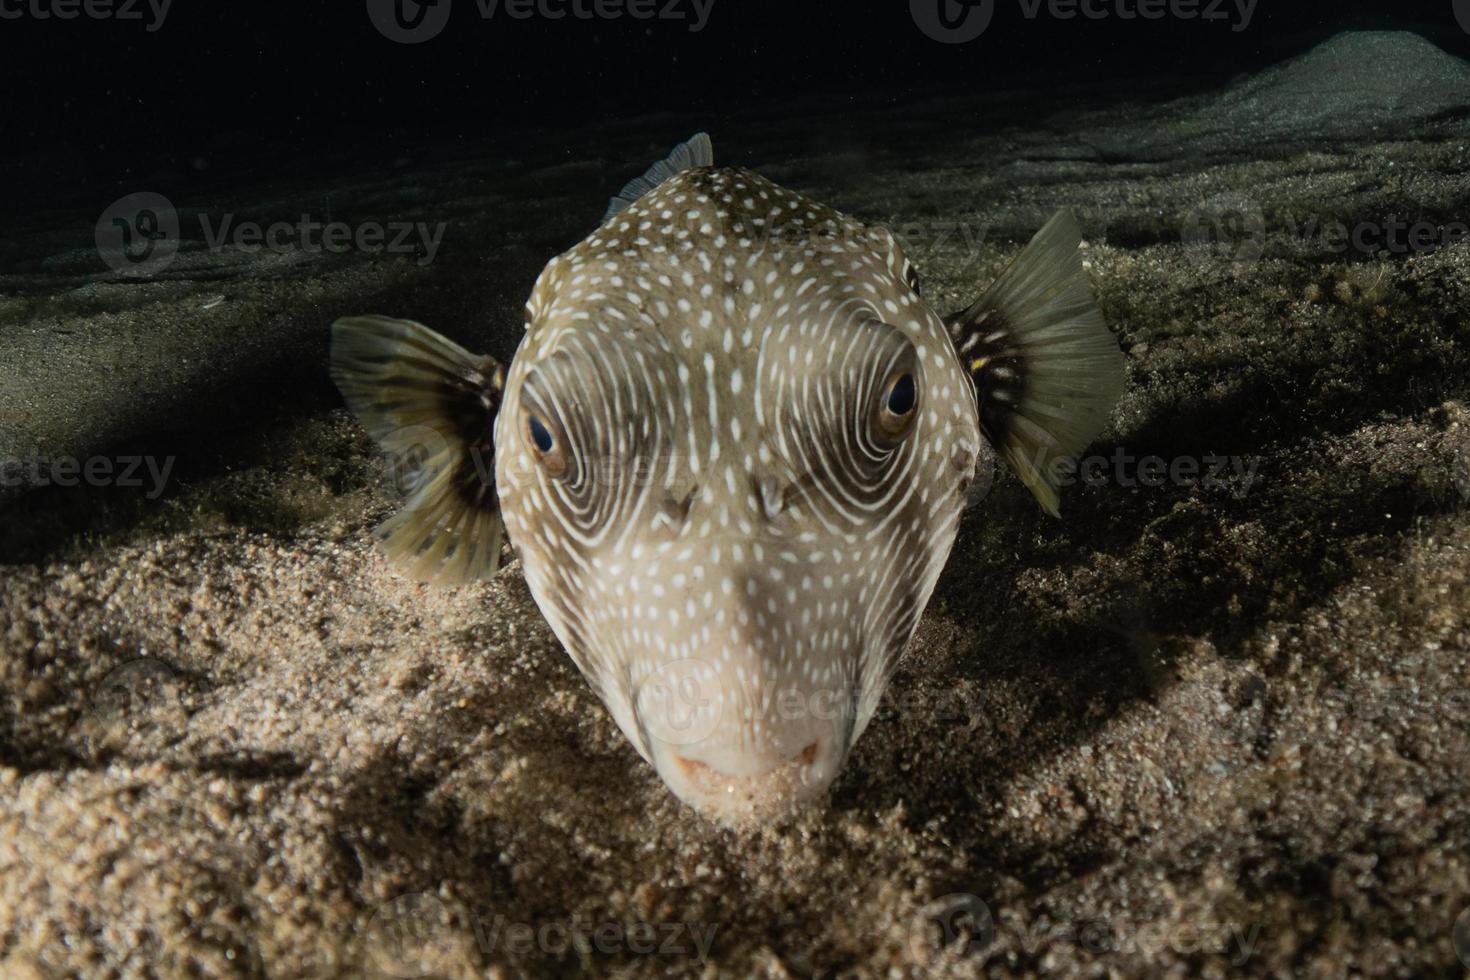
697	151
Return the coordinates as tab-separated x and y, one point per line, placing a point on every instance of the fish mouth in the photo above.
740	792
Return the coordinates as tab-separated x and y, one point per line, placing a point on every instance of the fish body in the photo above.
732	452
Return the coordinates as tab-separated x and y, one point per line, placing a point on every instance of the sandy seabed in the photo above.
1211	727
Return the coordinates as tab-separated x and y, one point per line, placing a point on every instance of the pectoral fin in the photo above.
431	405
1047	370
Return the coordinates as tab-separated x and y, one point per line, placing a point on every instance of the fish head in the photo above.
733	466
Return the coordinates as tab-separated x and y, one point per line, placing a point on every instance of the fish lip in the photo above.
778	789
771	786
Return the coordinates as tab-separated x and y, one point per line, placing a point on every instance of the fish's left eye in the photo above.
898	406
545	445
540	435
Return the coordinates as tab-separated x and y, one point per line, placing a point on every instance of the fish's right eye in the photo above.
544	445
898	405
540	436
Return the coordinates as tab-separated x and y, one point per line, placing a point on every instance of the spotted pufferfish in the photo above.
732	451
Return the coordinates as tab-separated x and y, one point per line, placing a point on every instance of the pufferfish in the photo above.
732	451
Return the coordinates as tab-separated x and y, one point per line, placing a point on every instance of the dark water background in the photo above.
94	105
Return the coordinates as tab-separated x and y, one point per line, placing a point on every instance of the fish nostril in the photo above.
773	498
674	511
778	499
689	767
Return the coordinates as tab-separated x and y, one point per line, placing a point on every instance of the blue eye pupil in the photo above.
901	396
540	435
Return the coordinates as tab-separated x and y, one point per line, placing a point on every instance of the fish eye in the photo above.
902	395
899	404
544	445
540	434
